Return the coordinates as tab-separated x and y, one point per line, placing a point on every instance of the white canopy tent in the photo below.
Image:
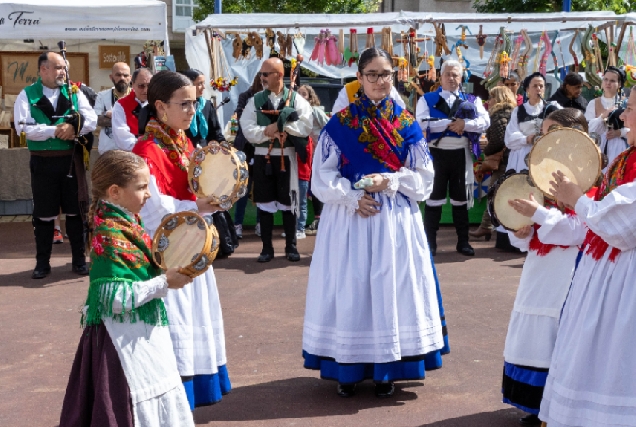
84	19
311	24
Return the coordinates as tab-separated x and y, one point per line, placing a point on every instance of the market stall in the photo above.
97	33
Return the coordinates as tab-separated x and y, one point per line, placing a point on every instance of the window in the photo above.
184	8
182	13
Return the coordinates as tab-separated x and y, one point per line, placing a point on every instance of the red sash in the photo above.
129	103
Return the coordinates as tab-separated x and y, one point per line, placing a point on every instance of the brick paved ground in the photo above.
263	308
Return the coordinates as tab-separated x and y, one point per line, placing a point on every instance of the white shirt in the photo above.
123	139
104	104
479	125
42	132
597	124
301	127
342	101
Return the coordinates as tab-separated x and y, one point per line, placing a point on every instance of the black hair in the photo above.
138	71
373	52
573	79
191	73
44	57
619	71
527	80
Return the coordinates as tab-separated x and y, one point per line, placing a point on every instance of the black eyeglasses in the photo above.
383	77
267	73
186	105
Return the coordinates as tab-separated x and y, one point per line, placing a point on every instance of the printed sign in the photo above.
109	55
20	69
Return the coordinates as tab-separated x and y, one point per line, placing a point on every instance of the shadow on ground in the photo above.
302	397
501	418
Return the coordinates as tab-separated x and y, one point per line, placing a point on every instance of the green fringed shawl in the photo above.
120	255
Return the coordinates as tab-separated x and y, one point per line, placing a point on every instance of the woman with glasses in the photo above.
372	311
612	132
205	127
194	312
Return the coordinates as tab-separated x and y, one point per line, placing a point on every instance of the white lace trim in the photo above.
352	199
394	184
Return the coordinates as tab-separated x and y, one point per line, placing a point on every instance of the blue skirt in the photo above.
203	390
409	368
522	387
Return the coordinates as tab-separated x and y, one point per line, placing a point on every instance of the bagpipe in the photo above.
465	109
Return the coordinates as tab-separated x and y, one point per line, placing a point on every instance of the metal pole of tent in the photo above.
567	5
218	6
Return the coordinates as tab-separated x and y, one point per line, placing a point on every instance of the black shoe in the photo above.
384	389
265	258
346	390
293	256
41	272
81	270
530	420
465	249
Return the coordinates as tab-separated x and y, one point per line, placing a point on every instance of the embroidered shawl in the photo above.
120	255
167	152
373	138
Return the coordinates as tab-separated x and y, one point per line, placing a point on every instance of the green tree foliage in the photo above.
206	7
516	6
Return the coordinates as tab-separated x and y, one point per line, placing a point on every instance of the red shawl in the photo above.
129	103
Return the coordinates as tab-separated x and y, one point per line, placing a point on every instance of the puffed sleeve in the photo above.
327	184
515	139
558	228
415	179
612	218
595	124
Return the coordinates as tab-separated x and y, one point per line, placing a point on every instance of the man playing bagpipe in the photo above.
55	117
277	122
452	122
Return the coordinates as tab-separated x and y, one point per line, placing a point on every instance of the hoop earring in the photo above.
164	118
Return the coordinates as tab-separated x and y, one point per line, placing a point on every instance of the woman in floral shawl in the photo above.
196	322
124	373
372	311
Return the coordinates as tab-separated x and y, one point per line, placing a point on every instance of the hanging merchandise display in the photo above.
332	54
284	45
387	40
575	58
270	39
221	79
543	65
441	44
351	53
525	56
499	60
611	47
237	47
462	40
341	46
481	41
370	38
630	60
554	56
563	70
516	52
318	54
537	57
591	58
299	42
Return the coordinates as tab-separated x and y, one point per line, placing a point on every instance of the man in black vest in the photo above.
277	121
58	176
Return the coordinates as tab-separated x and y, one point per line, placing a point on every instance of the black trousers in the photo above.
52	188
272	187
450	170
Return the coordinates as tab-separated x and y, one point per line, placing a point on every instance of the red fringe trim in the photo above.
596	247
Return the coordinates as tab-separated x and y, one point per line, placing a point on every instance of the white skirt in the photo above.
534	321
371	295
592	380
196	326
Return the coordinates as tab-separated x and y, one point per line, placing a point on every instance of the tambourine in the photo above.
186	240
511	186
572	152
218	171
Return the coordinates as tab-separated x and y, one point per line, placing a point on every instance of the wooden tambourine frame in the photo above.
503	192
193	250
218	171
569	150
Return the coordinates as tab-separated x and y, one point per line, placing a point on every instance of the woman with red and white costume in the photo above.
591	380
